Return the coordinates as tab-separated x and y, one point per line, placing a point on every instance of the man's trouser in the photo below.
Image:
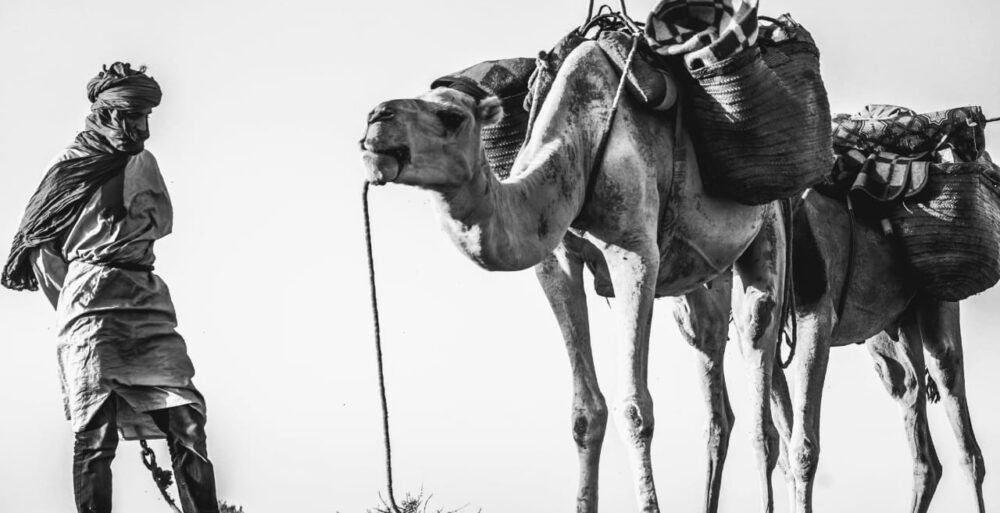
95	448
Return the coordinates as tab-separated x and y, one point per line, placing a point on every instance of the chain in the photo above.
162	478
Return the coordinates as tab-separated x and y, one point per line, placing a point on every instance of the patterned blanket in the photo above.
704	32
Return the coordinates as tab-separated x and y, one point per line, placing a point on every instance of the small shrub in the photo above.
413	504
229	508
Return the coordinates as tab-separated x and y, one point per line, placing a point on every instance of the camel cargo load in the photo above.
934	185
756	103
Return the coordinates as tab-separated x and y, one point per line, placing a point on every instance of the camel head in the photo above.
431	141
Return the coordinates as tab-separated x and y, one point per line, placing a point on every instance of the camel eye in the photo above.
450	119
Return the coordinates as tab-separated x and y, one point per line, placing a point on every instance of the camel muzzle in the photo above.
383	165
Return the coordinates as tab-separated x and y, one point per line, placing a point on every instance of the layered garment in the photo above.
117	338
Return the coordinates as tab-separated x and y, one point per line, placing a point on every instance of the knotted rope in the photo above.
378	350
162	478
788	305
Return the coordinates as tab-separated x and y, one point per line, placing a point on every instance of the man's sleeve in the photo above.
50	270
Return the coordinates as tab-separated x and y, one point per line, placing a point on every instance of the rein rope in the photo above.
378	351
162	478
788	305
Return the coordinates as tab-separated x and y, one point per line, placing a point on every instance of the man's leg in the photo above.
185	430
93	451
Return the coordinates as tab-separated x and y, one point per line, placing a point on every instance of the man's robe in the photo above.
117	338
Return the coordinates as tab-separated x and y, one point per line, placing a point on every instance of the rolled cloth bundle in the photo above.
756	102
106	145
508	80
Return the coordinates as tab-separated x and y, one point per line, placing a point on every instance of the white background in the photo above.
257	137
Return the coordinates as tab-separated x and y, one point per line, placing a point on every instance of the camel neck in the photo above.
514	224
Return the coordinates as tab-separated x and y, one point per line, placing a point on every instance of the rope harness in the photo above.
788	306
162	478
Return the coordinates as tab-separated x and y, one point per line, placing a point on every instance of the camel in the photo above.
648	220
898	321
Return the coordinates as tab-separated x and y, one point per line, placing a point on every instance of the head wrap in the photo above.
114	91
123	88
107	144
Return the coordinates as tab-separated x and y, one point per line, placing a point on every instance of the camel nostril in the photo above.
380	114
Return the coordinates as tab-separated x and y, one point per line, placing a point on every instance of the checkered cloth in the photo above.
898	130
705	32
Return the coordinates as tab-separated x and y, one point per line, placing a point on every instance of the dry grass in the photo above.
229	508
413	504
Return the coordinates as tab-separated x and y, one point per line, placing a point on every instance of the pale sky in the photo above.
257	136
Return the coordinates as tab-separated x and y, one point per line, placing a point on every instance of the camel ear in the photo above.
490	110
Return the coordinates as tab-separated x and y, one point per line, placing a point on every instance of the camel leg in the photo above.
633	275
781	414
939	323
757	309
809	373
561	277
703	318
901	367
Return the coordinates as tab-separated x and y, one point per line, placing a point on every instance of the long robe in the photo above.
117	338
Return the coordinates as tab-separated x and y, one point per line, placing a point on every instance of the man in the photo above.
86	240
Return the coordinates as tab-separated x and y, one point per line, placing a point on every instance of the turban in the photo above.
122	88
106	147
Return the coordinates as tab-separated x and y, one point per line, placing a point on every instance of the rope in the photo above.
788	307
162	478
378	351
992	120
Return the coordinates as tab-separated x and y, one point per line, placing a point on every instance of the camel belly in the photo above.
703	242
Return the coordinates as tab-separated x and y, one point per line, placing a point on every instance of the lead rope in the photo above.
161	477
378	351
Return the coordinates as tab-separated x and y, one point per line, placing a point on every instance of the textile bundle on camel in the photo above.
936	186
756	101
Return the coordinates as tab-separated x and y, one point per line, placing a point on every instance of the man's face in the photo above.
135	126
136	121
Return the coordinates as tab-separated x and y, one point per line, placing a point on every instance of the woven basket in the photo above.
951	230
761	120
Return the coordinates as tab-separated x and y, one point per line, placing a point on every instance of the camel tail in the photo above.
933	394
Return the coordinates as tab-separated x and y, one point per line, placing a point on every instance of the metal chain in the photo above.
378	350
162	478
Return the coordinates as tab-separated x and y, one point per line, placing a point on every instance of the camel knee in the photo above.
759	317
635	419
718	431
927	470
767	444
973	463
589	425
804	460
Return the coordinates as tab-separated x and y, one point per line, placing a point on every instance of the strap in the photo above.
849	273
788	308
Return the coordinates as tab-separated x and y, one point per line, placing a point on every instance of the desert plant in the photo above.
229	508
413	504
